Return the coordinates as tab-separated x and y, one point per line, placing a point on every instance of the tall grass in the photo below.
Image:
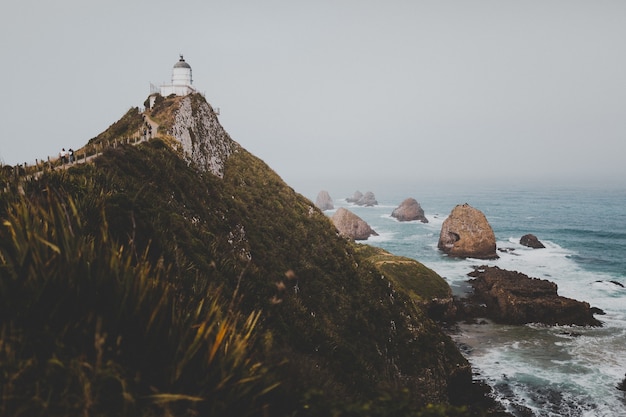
88	327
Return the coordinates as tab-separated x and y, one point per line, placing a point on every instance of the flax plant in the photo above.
90	328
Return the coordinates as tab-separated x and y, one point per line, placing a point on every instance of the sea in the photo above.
534	370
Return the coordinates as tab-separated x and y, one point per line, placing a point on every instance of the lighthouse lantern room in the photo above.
181	80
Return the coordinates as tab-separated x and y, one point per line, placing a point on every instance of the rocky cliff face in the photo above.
467	233
203	139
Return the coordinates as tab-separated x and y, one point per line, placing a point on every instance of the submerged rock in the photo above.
466	233
409	210
351	225
511	297
531	241
323	201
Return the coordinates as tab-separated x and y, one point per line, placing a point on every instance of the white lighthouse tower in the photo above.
181	80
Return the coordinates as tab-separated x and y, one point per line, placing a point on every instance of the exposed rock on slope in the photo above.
466	233
203	139
351	225
514	298
531	241
323	201
409	210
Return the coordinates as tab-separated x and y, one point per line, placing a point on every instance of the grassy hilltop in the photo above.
142	285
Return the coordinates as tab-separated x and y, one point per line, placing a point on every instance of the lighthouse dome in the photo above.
181	73
181	63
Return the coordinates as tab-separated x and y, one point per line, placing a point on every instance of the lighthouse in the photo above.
181	80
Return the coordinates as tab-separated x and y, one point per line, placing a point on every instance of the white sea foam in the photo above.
383	236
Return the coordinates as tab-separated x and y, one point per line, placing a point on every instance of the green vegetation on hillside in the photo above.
417	280
137	285
91	327
127	126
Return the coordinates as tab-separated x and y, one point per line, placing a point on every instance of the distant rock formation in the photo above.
323	201
351	225
355	197
467	234
510	297
368	199
531	241
409	210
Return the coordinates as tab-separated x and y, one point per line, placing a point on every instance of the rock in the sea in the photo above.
409	210
323	201
466	233
531	241
368	199
511	297
355	197
351	225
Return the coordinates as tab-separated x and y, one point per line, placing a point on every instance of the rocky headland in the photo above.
466	233
409	210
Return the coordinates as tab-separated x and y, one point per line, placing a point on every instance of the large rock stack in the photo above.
466	233
351	225
409	210
323	201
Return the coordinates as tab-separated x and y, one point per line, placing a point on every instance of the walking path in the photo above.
147	131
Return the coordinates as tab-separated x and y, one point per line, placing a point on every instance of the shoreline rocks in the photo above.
409	210
466	233
510	297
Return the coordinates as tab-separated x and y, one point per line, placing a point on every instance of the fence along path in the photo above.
88	153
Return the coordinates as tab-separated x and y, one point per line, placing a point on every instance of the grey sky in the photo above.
450	91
